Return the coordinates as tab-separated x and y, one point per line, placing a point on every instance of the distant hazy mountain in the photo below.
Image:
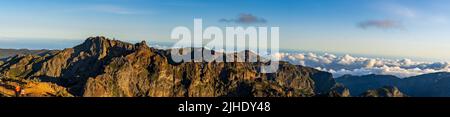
426	85
4	53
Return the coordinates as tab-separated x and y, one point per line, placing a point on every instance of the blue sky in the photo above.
406	28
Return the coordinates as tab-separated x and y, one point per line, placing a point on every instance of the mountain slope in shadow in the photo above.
426	85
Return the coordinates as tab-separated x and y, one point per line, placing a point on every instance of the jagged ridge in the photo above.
102	67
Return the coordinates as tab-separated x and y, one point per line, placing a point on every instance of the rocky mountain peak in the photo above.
101	44
142	44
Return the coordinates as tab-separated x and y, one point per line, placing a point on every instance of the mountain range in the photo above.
4	53
102	67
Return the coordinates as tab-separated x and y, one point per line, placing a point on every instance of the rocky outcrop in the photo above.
102	67
384	92
30	88
339	90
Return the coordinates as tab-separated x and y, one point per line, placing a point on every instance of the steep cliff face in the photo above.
102	67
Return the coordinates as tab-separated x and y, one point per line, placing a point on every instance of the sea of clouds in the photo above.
347	64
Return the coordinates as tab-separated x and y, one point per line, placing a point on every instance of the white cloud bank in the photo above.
347	64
